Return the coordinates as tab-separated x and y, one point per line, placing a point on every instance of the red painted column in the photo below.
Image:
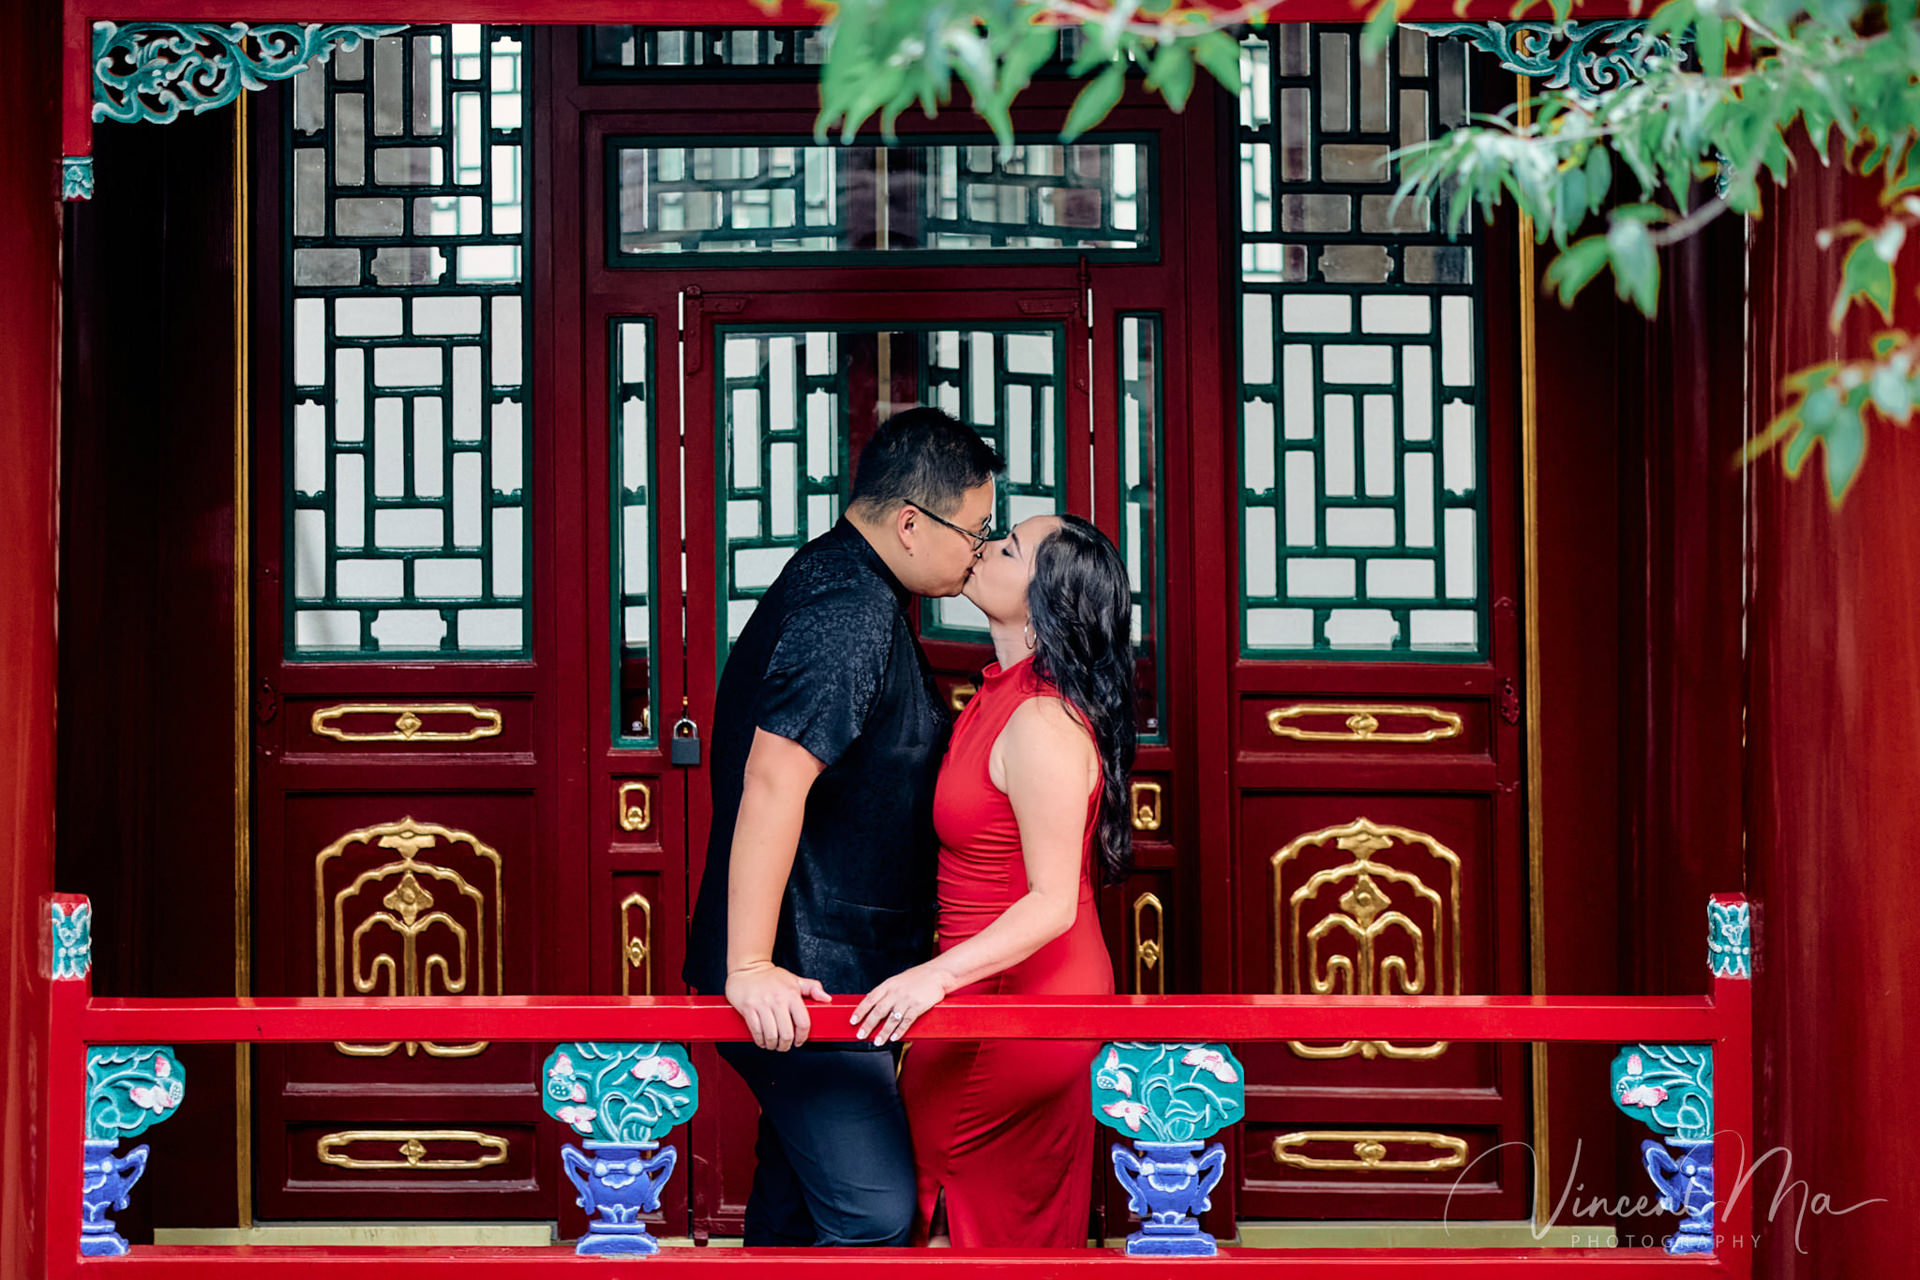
29	378
1833	785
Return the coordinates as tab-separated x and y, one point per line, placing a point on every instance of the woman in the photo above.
1031	804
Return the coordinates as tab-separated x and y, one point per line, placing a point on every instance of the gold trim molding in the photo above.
1368	916
1145	803
410	914
1362	723
1149	954
407	724
636	950
411	1149
1370	1150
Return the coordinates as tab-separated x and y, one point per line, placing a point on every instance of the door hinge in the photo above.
697	304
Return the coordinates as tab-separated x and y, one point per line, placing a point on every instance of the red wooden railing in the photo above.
75	1020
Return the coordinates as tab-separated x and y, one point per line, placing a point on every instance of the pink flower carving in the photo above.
578	1092
156	1099
1128	1113
581	1118
562	1066
1641	1095
658	1068
162	1068
1213	1061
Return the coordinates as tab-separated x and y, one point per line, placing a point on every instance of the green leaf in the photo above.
1636	267
1865	275
1599	177
1892	394
1219	54
1574	268
1095	100
1710	38
1846	444
1171	74
1380	27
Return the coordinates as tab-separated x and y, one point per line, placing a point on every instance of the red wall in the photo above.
1834	785
29	371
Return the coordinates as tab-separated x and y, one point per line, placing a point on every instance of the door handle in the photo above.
1146	806
636	806
1149	953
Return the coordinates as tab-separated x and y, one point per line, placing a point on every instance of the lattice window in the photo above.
1006	384
1043	200
1361	358
630	53
611	52
784	400
630	360
1142	539
408	524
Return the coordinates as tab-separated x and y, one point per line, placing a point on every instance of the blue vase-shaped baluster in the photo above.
618	1182
1685	1178
1167	1186
105	1182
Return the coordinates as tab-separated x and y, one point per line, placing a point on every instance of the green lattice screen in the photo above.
1363	511
1041	201
407	522
619	52
631	413
783	448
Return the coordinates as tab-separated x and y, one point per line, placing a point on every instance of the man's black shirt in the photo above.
829	661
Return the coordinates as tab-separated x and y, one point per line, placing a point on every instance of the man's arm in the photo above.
766	835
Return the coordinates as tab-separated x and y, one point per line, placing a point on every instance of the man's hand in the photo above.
774	1003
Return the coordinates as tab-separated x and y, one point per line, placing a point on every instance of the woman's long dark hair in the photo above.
1081	608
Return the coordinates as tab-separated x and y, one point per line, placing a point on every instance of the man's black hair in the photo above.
924	456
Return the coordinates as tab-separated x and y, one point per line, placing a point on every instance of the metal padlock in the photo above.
684	746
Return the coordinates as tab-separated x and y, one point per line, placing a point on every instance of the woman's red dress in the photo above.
1001	1127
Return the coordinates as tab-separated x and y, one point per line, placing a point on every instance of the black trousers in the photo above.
835	1166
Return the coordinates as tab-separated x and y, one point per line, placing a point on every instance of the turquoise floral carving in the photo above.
1667	1087
130	1087
72	938
1590	58
155	70
1729	939
1168	1092
623	1093
76	177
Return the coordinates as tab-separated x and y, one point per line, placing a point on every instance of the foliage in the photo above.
1609	181
624	1093
1175	1092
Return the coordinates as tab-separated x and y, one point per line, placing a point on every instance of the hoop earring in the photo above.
1028	630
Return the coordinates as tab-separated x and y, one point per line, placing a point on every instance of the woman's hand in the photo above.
894	1004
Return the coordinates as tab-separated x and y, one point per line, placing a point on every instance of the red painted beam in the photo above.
696	1018
851	1264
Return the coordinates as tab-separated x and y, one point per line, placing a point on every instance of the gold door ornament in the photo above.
1362	723
1145	799
407	724
408	925
1149	951
1369	1147
409	1149
1367	927
635	806
636	948
961	694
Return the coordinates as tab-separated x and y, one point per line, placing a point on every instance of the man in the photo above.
827	740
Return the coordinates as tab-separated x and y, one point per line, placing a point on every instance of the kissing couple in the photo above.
849	807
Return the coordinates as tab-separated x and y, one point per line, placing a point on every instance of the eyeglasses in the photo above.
979	538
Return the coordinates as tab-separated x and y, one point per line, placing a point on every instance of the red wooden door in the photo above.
1369	634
